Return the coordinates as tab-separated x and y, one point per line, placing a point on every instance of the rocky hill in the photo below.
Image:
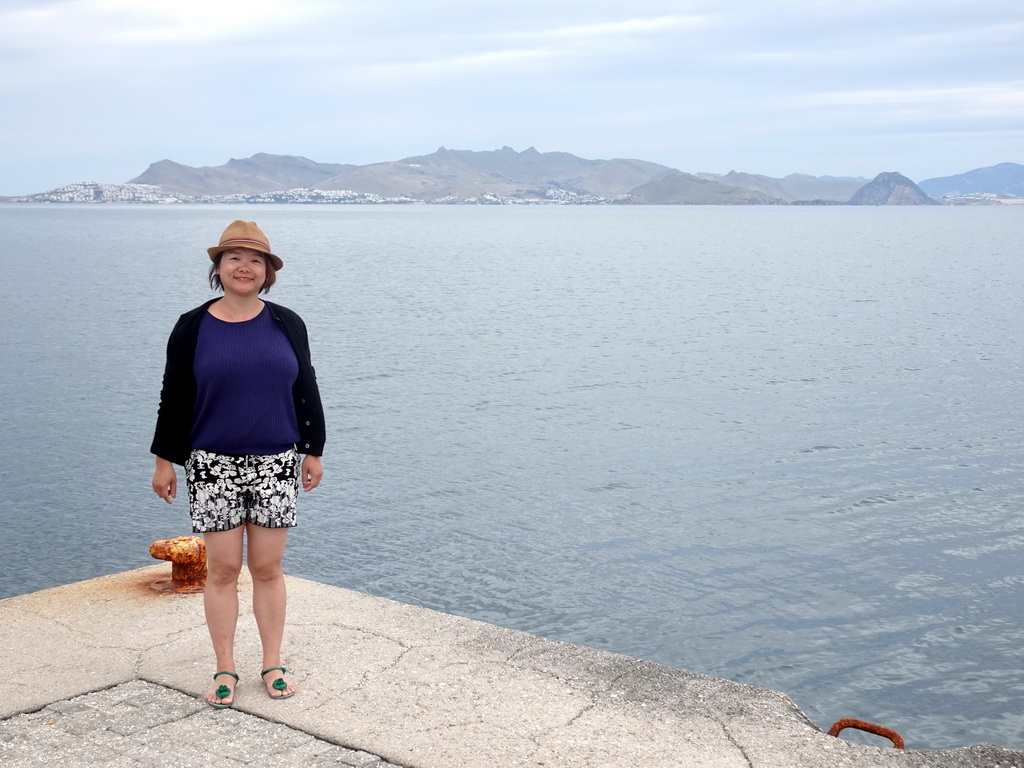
259	173
687	189
1002	179
464	173
891	189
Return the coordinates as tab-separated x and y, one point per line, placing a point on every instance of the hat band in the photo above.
244	242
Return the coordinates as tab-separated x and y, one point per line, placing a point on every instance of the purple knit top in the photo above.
244	376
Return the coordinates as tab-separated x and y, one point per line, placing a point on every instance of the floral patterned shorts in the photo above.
225	491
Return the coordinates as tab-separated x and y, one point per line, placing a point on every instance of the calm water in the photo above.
779	445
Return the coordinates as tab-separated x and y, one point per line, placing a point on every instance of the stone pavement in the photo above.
109	672
144	725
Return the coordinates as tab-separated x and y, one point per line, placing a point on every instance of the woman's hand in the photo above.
311	473
165	480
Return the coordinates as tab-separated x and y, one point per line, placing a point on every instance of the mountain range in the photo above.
505	175
452	174
464	174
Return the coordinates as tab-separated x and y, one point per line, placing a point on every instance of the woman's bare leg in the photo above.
220	600
269	596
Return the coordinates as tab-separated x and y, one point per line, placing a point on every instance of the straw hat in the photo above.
244	234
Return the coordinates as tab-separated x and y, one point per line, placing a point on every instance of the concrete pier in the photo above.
109	672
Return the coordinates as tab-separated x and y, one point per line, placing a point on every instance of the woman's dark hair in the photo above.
217	285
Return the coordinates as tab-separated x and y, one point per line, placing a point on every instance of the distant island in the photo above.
508	177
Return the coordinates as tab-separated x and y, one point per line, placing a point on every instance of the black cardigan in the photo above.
172	438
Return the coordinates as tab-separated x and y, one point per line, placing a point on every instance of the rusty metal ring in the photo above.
864	725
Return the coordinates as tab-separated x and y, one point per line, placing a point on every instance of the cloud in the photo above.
626	28
478	64
983	101
976	35
543	46
91	23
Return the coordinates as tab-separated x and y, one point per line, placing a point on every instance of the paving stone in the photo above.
321	754
68	706
143	725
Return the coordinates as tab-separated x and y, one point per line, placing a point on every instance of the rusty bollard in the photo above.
188	563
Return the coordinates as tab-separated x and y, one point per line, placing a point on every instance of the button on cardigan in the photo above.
172	437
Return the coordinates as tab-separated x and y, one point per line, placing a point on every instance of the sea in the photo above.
779	445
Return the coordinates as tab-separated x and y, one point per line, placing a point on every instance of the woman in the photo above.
239	403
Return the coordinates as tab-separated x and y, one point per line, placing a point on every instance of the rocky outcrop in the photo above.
891	189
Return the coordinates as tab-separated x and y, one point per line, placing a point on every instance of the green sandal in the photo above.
223	692
279	684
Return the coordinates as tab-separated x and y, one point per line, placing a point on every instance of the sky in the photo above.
96	90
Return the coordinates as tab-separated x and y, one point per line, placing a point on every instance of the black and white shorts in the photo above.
226	491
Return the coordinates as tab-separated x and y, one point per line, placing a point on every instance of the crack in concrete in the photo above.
570	683
364	679
448	726
594	696
736	744
350	628
365	676
511	657
168	640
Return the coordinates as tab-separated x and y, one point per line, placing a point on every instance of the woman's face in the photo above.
242	271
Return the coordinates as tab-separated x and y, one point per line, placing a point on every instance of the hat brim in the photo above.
218	249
